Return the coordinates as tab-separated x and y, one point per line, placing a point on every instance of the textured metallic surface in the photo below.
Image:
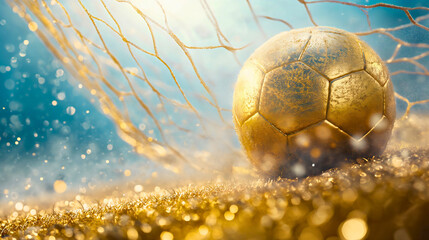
246	94
304	102
356	103
281	49
389	102
309	98
265	145
333	52
374	65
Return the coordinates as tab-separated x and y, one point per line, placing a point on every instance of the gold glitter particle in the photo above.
233	208
127	173
138	188
146	228
353	229
33	212
19	206
315	153
229	216
203	230
329	206
60	186
33	26
166	236
132	234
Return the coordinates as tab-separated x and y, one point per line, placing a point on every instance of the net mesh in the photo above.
164	72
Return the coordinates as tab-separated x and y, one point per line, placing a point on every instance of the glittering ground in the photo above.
383	198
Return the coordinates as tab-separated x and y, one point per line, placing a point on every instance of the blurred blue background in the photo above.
51	129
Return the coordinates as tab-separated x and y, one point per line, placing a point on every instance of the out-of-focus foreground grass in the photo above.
384	198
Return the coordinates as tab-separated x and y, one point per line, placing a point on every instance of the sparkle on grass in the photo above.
203	230
353	228
342	199
132	234
138	188
19	206
165	235
233	208
229	216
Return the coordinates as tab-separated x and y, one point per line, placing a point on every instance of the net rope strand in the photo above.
400	42
93	77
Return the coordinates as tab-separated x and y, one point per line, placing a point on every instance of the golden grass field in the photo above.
380	198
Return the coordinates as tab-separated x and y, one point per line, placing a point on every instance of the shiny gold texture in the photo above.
356	103
246	95
389	102
281	49
333	52
293	97
374	65
314	103
265	145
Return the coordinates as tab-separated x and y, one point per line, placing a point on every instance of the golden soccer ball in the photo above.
308	99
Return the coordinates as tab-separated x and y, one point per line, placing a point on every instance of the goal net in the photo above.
164	71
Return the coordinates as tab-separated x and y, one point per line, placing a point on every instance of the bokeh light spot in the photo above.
165	235
60	186
354	229
33	26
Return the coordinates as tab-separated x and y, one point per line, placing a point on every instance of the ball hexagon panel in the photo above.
265	145
356	103
333	54
374	65
247	90
320	141
293	97
389	101
283	48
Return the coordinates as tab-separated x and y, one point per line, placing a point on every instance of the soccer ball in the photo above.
308	99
